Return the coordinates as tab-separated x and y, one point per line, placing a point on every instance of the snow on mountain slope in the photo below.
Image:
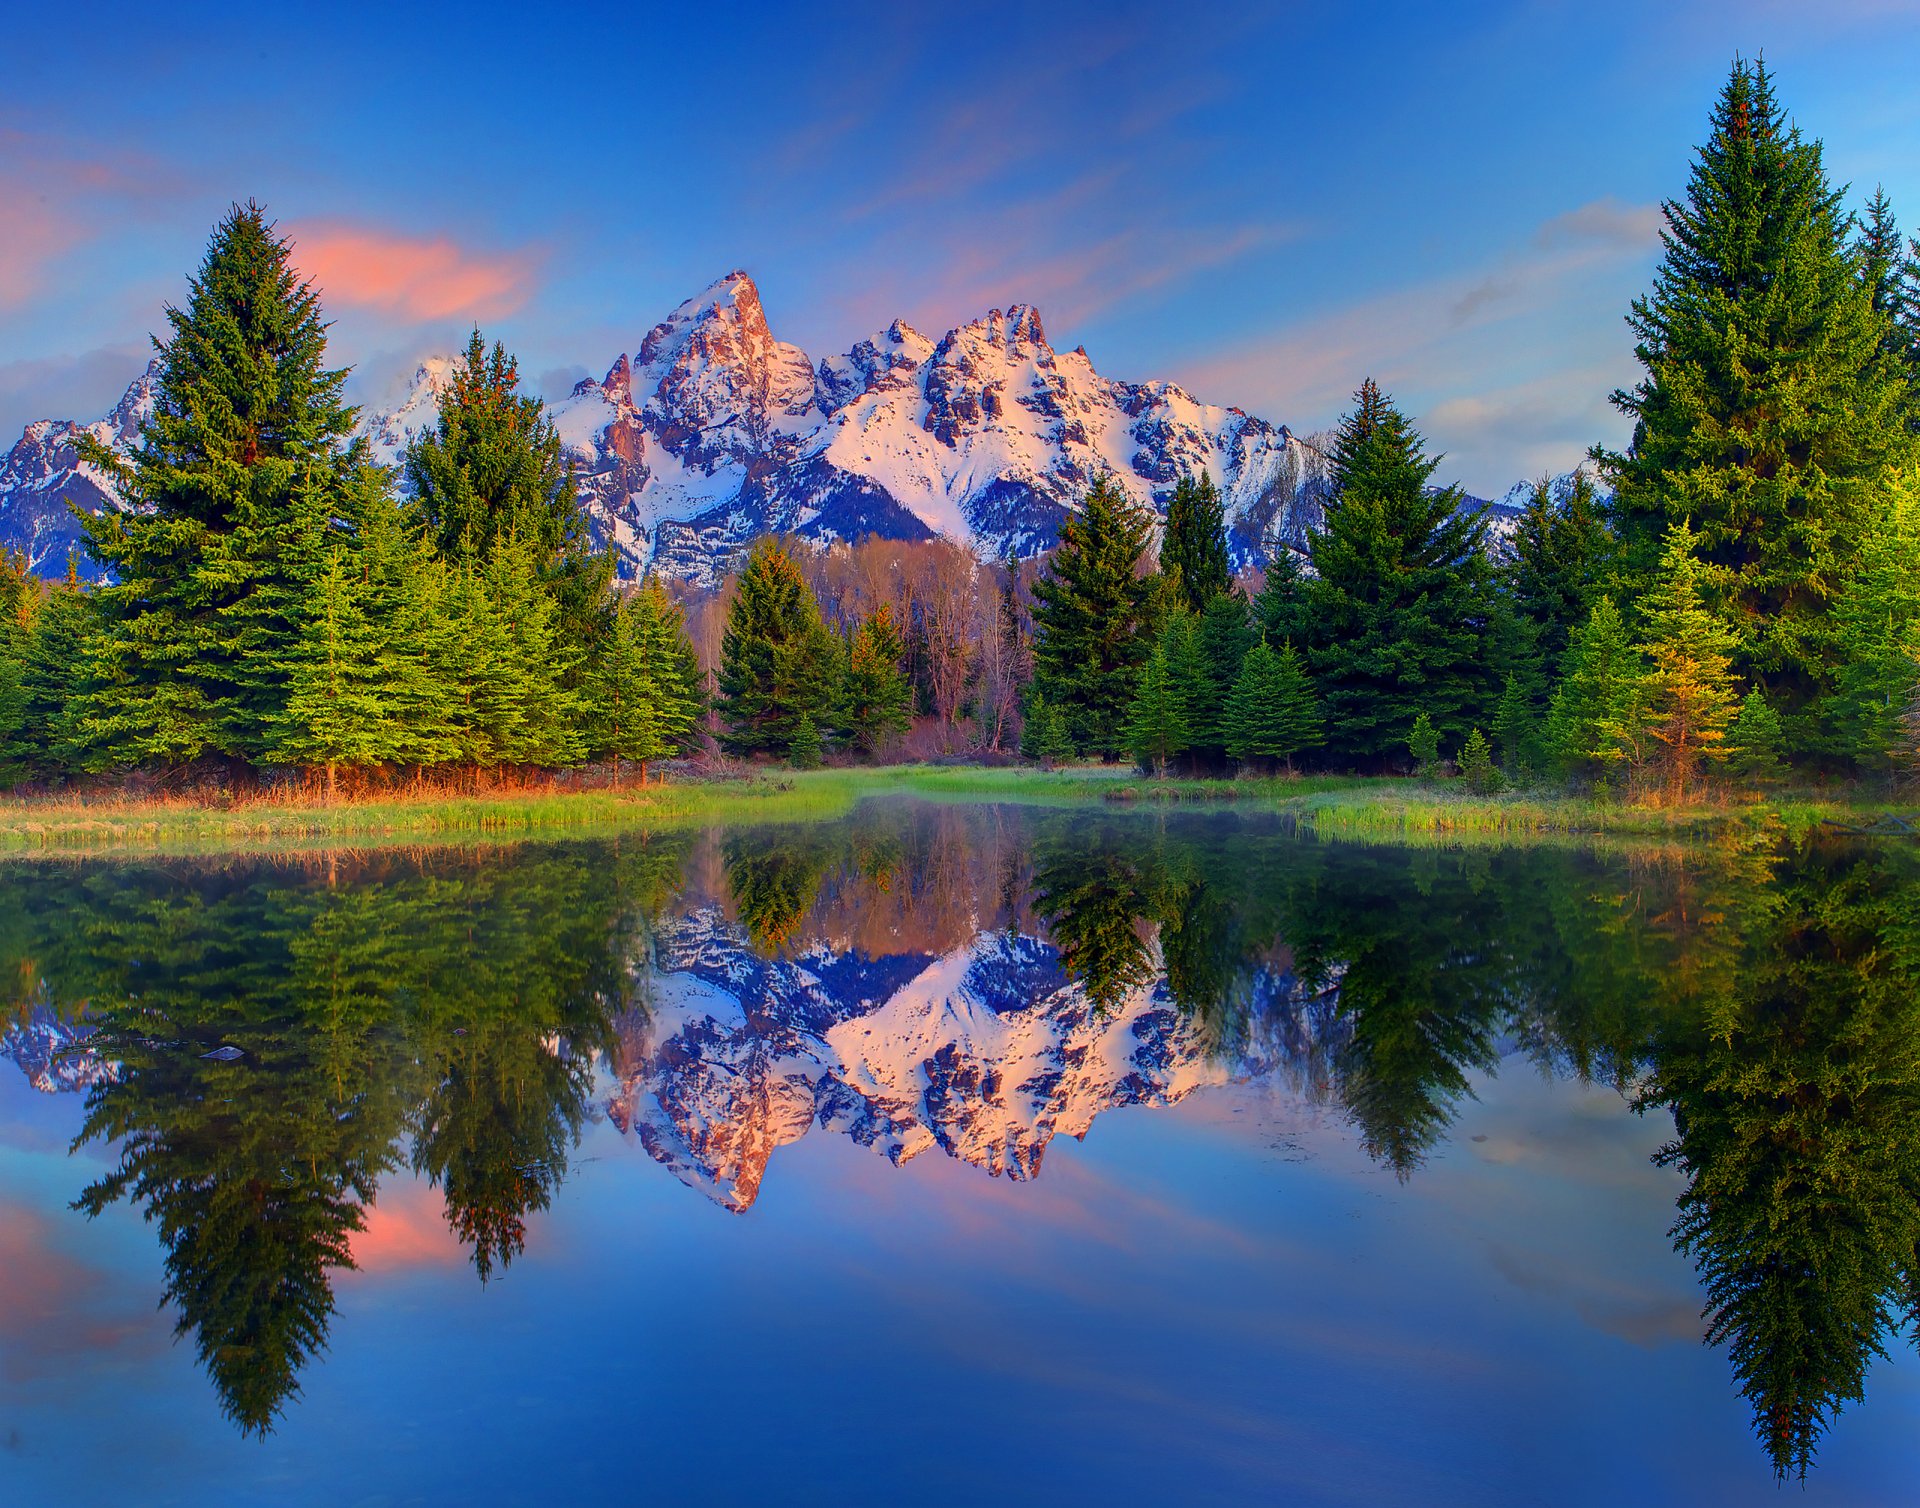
43	475
986	1052
52	1053
714	431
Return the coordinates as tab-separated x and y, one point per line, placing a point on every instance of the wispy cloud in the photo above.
413	278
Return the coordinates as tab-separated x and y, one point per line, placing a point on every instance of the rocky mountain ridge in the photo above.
713	431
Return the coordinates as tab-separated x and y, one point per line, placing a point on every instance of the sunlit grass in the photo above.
1349	807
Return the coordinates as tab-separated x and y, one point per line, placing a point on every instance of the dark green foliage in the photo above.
1094	619
1044	736
779	664
1157	721
1093	894
644	684
1195	543
1770	409
1879	630
1273	713
1222	639
233	490
1398	615
875	700
1688	696
492	470
804	748
1557	563
1280	611
1518	731
1423	743
1892	279
1755	741
1476	763
1596	720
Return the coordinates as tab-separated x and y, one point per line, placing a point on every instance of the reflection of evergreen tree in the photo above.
1795	1093
774	880
459	1000
1095	895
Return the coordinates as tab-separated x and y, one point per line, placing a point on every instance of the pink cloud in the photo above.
406	1228
413	278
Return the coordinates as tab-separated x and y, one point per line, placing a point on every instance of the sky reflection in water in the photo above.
1364	1214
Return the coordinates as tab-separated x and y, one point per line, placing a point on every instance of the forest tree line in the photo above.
1742	597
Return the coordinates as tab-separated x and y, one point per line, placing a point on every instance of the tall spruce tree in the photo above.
1557	562
1399	609
876	700
1094	619
1892	283
779	665
1595	721
1689	694
643	688
232	490
1195	543
1274	712
1879	629
492	469
1221	641
1771	407
1157	719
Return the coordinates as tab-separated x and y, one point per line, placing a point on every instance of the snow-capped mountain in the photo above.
714	431
52	1053
986	1052
43	474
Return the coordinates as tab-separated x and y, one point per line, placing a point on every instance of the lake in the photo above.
963	1153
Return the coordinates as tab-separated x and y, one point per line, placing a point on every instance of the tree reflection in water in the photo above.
289	1032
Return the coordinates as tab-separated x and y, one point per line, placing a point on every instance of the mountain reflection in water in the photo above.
261	1042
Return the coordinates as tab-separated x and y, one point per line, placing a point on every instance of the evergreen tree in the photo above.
1476	762
1879	630
804	748
55	665
1754	742
1398	612
876	698
1222	640
1195	543
1423	743
1280	611
1557	561
1273	712
1689	694
778	662
1093	619
336	712
1157	721
536	664
232	490
1517	730
1595	720
1770	409
643	689
1043	734
1887	270
492	470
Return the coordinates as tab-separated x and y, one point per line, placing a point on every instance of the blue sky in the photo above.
1266	203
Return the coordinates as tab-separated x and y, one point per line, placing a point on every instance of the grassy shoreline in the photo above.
1331	806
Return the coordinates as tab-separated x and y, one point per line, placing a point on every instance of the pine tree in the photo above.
231	491
1157	720
1557	561
1093	619
876	698
1770	409
1879	630
1476	762
1595	720
1280	611
1043	733
1887	270
1423	743
1273	712
1195	543
1398	613
804	749
493	469
1689	693
1517	731
336	713
55	665
1222	640
1755	741
778	662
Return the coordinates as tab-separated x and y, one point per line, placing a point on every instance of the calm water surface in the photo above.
959	1154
